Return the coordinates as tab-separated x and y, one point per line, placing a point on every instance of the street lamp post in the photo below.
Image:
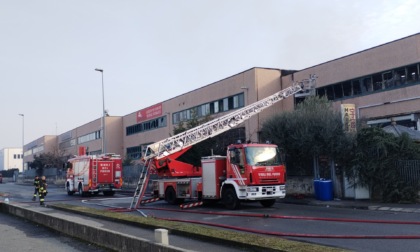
103	112
23	139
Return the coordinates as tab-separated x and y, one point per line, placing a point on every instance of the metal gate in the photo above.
409	171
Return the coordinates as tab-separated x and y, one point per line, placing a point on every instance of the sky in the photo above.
153	50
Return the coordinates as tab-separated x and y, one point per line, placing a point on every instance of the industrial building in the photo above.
11	158
381	82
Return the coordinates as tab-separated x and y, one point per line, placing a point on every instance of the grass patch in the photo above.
252	242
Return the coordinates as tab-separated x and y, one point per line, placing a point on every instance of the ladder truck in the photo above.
249	171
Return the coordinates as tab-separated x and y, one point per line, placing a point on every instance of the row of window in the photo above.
214	107
390	79
82	139
145	126
27	153
38	149
136	152
89	137
17	156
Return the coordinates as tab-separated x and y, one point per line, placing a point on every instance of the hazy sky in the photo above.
154	50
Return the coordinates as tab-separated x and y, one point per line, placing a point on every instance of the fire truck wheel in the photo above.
230	199
81	193
69	192
268	203
170	196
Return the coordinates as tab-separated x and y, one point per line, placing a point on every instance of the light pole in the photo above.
23	139
103	112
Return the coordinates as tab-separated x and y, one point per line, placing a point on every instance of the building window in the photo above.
330	92
377	82
137	152
320	91
214	107
347	88
226	104
145	126
338	90
390	79
357	89
134	152
89	137
38	149
412	73
176	118
400	76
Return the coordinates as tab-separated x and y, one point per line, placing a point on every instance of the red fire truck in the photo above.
249	172
91	174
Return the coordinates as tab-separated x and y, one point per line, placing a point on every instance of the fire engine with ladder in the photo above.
92	174
249	171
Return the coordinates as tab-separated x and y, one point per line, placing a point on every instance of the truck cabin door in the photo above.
237	157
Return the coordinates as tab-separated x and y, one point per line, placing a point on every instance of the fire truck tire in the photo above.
268	203
230	199
69	192
81	193
170	196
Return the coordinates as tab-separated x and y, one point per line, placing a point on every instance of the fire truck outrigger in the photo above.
92	174
249	172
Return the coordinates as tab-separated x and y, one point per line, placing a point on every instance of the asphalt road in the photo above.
18	235
299	227
292	228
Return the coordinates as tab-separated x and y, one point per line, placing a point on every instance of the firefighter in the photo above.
36	184
42	190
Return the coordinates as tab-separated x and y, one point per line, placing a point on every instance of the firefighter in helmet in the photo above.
42	190
36	184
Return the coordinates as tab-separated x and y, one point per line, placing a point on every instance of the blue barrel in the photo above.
323	189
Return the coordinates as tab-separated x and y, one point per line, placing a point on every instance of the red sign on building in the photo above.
149	113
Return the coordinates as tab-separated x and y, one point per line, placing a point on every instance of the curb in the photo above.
109	239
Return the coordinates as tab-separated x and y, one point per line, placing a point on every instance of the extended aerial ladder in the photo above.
181	142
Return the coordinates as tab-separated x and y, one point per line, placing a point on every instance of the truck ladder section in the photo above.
221	124
142	184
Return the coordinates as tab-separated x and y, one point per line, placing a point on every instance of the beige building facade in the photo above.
44	144
382	83
88	136
157	122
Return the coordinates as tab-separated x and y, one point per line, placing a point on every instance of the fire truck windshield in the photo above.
262	156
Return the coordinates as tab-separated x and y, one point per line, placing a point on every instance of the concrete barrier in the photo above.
99	236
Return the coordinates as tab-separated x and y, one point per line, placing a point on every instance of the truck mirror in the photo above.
282	156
